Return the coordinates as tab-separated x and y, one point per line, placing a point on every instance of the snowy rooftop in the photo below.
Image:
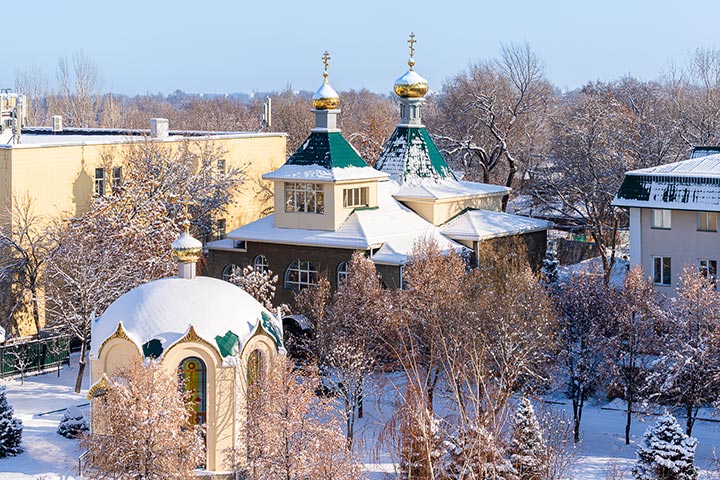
165	309
447	188
40	136
392	227
486	224
688	185
322	174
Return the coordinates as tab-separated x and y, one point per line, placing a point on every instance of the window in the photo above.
240	245
116	178
708	267
255	367
355	197
660	219
304	197
342	273
229	271
260	263
193	375
100	181
219	233
707	221
662	270
300	274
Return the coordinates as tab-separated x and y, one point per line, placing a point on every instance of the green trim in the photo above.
152	348
327	149
227	344
360	209
427	162
269	326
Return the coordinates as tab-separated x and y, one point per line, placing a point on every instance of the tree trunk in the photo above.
689	423
81	366
627	422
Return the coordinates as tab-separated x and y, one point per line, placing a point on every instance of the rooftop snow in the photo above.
410	154
447	188
486	224
322	174
705	166
165	309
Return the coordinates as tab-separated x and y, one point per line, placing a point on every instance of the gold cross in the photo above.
326	62
412	43
187	202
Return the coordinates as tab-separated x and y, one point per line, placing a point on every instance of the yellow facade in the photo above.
56	173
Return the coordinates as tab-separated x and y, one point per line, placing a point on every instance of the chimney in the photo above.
159	128
57	125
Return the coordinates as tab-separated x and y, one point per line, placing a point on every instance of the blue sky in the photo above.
231	46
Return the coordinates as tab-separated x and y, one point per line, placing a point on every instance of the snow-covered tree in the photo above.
585	307
142	427
527	448
292	433
261	284
666	453
73	423
10	428
549	269
685	375
477	454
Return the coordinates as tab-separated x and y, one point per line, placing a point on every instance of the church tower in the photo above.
325	180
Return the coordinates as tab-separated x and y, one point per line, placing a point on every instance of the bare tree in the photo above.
22	359
79	84
143	427
34	85
28	246
291	432
492	114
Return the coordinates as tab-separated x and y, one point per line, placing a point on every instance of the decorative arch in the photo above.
260	263
193	374
300	274
342	273
230	270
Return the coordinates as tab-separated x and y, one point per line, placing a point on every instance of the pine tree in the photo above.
549	269
73	423
478	455
666	453
10	428
528	448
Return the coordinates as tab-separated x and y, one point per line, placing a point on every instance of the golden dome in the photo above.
411	85
187	249
326	98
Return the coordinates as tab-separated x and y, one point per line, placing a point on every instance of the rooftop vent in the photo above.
159	128
57	125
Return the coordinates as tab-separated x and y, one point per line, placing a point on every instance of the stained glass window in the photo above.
194	375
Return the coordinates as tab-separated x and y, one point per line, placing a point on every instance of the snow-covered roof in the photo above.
164	310
486	224
391	227
411	77
410	154
447	188
322	174
687	185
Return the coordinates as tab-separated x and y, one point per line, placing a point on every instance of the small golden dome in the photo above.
326	98
187	249
411	85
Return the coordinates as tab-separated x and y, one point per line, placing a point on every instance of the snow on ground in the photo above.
48	456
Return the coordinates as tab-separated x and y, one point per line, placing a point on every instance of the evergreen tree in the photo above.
549	270
528	448
73	423
478	455
10	428
666	453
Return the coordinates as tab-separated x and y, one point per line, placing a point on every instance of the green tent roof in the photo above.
327	149
410	153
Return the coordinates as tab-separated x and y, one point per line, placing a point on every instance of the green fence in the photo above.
34	355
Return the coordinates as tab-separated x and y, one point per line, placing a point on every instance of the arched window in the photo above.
193	373
255	367
342	273
260	263
300	274
229	271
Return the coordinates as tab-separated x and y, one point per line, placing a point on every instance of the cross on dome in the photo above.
326	61
411	42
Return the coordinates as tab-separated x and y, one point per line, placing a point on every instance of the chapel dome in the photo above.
326	98
411	85
187	248
166	309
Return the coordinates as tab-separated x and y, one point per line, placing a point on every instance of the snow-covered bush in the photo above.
527	448
666	453
549	269
73	423
477	454
10	428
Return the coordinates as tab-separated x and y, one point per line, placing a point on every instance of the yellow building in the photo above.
209	331
59	170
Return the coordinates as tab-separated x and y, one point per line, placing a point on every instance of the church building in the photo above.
210	332
329	202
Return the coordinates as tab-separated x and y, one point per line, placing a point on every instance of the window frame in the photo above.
704	225
707	267
304	197
228	271
306	275
662	276
99	184
355	197
116	178
199	408
341	273
260	263
220	230
665	219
